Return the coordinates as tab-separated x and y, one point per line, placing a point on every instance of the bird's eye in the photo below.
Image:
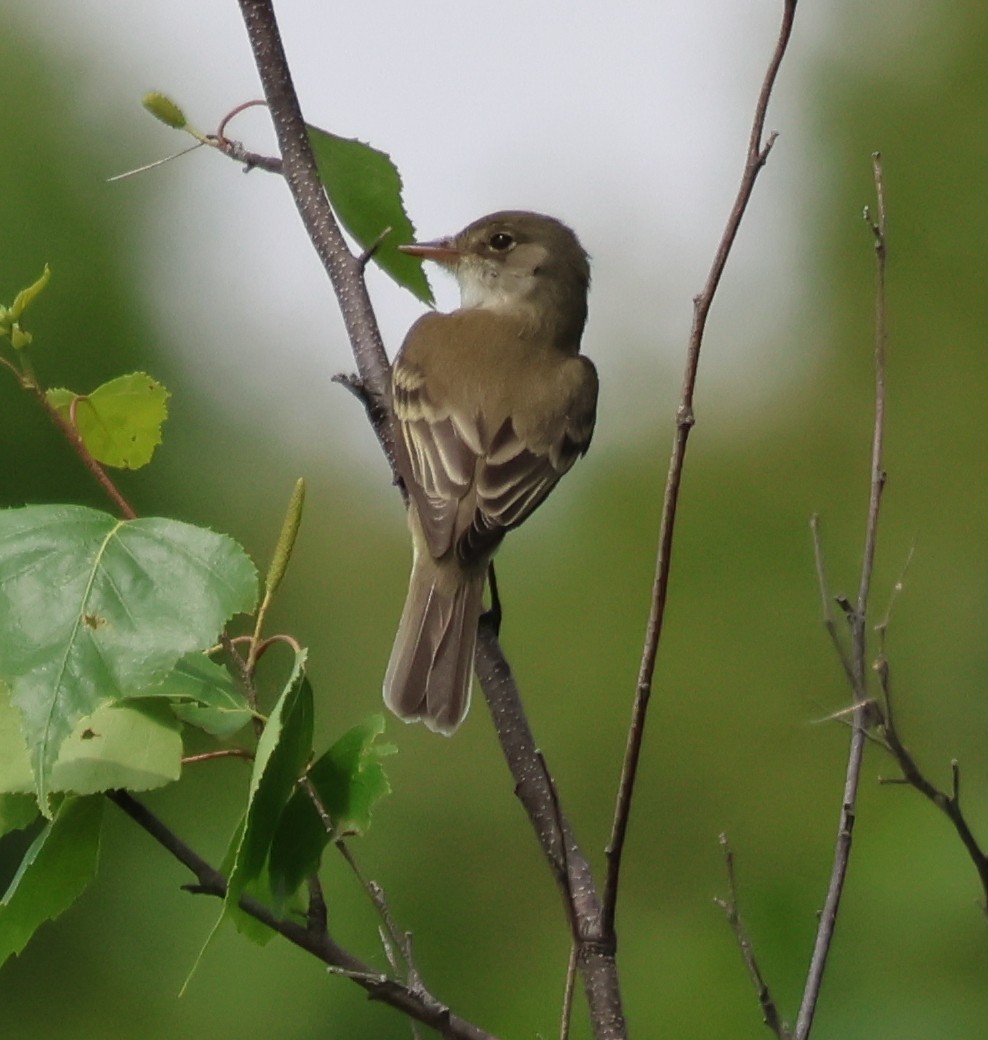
501	241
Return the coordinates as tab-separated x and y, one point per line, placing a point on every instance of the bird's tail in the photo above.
431	666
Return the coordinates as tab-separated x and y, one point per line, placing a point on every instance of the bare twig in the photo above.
311	937
391	935
567	1015
378	412
770	1012
948	804
233	113
211	756
878	477
235	150
29	382
881	628
826	613
534	788
758	152
857	619
368	254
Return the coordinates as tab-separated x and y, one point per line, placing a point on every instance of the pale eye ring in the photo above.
501	241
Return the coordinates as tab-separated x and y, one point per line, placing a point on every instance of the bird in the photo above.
492	403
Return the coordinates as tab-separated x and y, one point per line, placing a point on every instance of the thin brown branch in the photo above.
948	804
72	435
311	937
368	254
857	619
535	790
378	413
596	955
827	921
233	113
246	677
567	1014
391	935
827	615
878	477
770	1012
236	151
210	756
758	151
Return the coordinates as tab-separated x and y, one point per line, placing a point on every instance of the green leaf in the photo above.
94	610
217	705
349	780
17	811
55	871
364	189
297	847
120	421
28	295
258	933
132	746
282	754
164	109
137	746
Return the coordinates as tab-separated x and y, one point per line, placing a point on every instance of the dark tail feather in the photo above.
431	666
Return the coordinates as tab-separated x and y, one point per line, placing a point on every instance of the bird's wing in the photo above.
517	472
437	455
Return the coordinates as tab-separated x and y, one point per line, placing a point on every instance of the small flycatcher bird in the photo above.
493	403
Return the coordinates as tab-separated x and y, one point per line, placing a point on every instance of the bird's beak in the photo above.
442	251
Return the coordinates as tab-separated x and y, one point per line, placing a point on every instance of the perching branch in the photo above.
857	620
536	791
595	945
312	936
759	148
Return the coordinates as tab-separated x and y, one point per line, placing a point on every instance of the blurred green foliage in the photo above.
745	674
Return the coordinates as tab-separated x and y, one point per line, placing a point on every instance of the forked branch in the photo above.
312	936
770	1012
855	664
949	803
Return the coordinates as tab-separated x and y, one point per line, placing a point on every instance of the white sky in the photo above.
627	119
